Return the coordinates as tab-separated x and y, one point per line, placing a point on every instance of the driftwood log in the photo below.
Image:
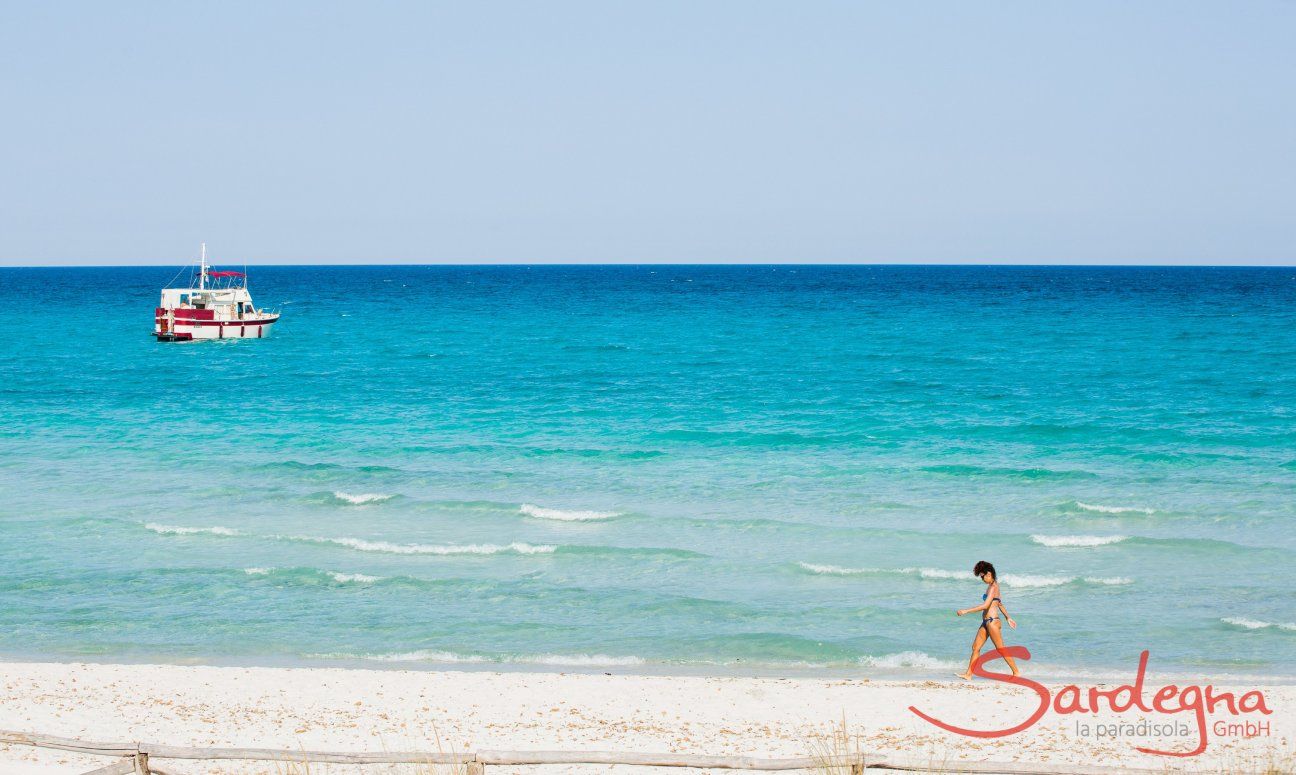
123	767
134	758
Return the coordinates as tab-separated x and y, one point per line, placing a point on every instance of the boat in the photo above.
216	305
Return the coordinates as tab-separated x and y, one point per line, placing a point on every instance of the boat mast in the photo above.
202	274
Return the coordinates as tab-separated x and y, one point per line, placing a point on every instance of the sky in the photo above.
1150	132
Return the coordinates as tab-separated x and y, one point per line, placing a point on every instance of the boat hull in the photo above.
192	330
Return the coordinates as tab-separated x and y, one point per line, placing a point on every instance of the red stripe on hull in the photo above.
222	323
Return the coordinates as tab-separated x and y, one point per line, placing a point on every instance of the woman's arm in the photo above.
973	609
989	601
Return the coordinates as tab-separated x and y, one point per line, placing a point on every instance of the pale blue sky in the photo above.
379	132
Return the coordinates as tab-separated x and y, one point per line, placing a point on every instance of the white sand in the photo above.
341	709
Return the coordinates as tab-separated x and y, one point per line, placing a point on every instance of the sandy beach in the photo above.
352	709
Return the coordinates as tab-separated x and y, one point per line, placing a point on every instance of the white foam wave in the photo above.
577	660
181	530
341	578
362	545
422	655
935	573
1026	581
358	578
1114	509
360	499
1019	581
908	659
539	512
926	573
1076	541
834	570
428	655
1256	624
1114	581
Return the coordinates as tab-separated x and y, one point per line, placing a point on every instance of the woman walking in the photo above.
993	610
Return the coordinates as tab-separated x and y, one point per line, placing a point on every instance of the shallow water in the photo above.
646	466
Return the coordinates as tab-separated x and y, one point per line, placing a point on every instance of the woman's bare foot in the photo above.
965	676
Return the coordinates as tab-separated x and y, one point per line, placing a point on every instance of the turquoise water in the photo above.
754	468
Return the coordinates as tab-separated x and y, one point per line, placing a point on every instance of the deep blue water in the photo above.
750	467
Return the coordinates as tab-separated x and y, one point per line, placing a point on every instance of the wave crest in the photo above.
363	498
1076	541
1011	580
1256	624
539	512
387	547
908	659
926	573
422	655
1098	507
181	530
429	655
341	578
356	578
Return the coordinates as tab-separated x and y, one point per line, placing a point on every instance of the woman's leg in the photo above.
976	649
996	634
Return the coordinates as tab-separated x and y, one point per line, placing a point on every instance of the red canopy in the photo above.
224	274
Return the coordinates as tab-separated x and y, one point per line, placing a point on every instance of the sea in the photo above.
716	469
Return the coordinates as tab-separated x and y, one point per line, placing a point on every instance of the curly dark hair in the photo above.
984	567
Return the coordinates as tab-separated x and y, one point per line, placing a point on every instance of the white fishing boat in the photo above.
216	305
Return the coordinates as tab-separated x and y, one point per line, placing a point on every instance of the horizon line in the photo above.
671	263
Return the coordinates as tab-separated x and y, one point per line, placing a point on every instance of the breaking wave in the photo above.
361	499
908	659
341	578
834	570
1012	580
428	655
1076	541
539	512
180	530
578	660
1026	582
1113	509
422	655
1255	624
387	547
356	578
926	573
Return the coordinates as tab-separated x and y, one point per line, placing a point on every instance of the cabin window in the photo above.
184	298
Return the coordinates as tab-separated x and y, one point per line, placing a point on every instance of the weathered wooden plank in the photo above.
644	759
68	744
123	767
523	758
1004	768
158	751
870	761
